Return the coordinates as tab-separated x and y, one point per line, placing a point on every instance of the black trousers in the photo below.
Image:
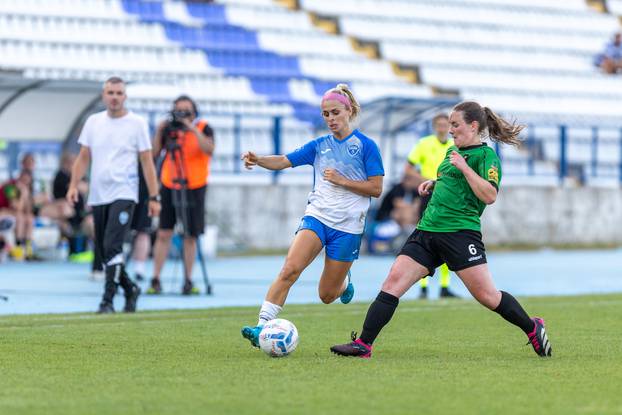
112	222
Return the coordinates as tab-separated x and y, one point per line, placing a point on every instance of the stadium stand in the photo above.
525	58
248	61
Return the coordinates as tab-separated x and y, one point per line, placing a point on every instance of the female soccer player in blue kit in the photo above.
348	172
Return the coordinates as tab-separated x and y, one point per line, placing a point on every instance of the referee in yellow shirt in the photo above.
423	161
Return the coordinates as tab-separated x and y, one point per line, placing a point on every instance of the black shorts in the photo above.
141	222
112	222
195	209
459	250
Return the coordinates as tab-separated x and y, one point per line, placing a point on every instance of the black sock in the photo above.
110	286
510	309
378	315
124	281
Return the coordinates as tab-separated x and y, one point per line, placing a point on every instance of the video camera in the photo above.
174	125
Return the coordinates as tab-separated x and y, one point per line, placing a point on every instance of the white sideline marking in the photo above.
166	316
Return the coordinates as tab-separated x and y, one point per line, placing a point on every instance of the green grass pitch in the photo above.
444	357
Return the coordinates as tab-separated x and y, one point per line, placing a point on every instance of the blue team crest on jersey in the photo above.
124	217
354	149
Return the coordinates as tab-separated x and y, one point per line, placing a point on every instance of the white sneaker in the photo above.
97	276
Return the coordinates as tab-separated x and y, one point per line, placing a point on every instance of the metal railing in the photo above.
556	152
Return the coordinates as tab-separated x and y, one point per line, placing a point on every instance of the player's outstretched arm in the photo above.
267	162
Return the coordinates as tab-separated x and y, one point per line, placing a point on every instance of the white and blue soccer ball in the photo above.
278	338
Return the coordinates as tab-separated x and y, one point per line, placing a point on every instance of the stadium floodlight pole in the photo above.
180	202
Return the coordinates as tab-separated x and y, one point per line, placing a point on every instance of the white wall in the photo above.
265	217
555	216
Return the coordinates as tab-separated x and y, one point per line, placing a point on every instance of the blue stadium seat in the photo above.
210	13
254	63
149	11
275	88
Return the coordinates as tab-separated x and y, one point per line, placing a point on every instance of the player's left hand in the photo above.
333	176
458	161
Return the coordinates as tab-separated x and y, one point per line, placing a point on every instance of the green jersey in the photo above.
454	206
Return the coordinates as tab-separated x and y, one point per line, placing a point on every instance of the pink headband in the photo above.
333	96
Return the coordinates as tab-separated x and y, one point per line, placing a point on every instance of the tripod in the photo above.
180	203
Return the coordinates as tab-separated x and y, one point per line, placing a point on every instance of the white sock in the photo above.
268	312
117	259
139	267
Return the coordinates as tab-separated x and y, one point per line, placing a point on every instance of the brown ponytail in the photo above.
499	129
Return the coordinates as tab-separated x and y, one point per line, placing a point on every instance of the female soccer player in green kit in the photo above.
449	232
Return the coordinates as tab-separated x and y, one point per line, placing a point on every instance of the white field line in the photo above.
164	316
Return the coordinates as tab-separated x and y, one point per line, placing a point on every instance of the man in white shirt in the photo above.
113	141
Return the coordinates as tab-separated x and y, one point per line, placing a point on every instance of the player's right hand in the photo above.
72	195
426	187
250	159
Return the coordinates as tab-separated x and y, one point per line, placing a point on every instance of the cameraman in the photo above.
189	144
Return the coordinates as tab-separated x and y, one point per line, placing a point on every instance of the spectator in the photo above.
401	203
37	187
39	201
610	59
398	215
7	222
79	228
15	204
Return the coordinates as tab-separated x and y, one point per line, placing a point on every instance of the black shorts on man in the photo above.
112	222
141	221
195	209
459	250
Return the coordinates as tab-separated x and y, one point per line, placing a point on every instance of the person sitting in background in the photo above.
7	223
610	59
14	203
79	228
401	203
398	215
39	201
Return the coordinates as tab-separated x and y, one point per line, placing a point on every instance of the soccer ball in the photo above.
278	338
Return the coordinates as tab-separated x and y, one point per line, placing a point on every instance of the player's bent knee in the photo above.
327	298
290	273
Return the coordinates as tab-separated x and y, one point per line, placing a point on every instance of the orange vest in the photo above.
195	162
